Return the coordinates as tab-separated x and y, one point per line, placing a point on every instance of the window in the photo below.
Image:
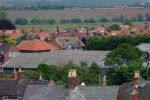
5	97
12	54
19	98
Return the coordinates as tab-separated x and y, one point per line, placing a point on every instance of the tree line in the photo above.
139	17
112	42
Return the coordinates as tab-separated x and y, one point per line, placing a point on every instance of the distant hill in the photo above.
82	3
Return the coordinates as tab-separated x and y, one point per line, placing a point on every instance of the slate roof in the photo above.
8	87
43	92
144	92
4	47
75	42
15	88
24	83
61	57
94	93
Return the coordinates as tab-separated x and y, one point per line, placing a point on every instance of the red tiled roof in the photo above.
36	45
42	35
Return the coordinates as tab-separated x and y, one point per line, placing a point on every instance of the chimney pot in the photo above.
72	79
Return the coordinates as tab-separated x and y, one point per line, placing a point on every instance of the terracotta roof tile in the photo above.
36	45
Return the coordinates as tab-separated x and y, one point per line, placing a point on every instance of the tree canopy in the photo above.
124	55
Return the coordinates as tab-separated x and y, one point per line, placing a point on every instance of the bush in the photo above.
64	21
35	21
103	19
91	20
114	27
21	21
75	20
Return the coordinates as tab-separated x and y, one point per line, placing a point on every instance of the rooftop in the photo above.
36	45
60	58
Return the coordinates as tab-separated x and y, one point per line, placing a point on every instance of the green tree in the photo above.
124	55
114	27
140	17
122	74
9	40
104	19
31	74
21	21
147	16
3	15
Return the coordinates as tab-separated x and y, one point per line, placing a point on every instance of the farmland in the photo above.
77	13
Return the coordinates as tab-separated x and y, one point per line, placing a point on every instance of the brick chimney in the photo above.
103	80
20	74
57	29
134	94
136	78
119	96
72	79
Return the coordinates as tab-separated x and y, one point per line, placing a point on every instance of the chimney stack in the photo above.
20	74
57	29
136	78
134	94
72	79
103	81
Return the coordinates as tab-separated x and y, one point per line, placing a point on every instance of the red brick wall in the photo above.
6	55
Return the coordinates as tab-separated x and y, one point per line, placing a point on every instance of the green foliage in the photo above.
90	20
124	55
9	40
147	16
31	74
89	75
112	42
128	23
21	21
104	19
140	17
114	27
122	74
75	20
3	15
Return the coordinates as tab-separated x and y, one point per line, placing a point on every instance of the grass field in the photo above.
78	13
48	28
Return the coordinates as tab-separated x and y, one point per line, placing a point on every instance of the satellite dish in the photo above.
142	82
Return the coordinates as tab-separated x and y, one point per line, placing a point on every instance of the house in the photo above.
99	30
42	36
58	57
73	91
143	29
14	89
13	34
36	46
68	43
138	89
7	51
